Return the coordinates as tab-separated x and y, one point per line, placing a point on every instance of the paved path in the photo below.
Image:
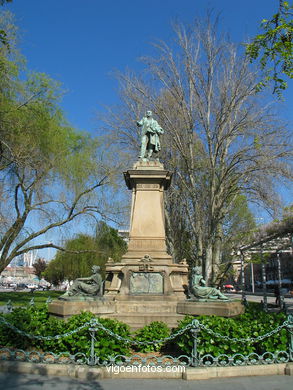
36	382
258	298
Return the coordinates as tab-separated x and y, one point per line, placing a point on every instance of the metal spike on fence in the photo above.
9	305
32	302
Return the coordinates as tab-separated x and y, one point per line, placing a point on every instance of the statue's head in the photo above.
196	270
95	268
149	114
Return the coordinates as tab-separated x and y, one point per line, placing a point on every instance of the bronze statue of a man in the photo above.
150	136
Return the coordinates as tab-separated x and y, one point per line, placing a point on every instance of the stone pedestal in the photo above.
146	285
147	181
65	309
209	308
146	270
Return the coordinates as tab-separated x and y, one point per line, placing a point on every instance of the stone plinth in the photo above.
147	180
65	309
146	270
209	308
146	279
140	311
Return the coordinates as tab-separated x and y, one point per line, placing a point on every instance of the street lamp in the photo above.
264	281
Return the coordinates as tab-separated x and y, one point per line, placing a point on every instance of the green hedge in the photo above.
36	321
156	330
253	323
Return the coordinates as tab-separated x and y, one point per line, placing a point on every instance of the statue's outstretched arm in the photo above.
83	279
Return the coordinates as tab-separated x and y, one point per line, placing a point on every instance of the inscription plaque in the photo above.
146	283
148	186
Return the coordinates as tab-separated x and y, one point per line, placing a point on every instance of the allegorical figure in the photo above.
150	136
198	288
91	286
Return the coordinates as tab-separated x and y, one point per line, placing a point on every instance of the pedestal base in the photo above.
67	308
211	308
138	311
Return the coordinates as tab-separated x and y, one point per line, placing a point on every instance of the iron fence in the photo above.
195	359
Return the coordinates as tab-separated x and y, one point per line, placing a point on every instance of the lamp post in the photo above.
252	278
281	296
264	281
244	301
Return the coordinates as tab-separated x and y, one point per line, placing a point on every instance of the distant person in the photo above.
277	294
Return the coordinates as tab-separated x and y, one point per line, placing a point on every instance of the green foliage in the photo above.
252	324
93	251
48	170
37	321
156	330
108	241
67	265
238	225
55	273
274	47
258	258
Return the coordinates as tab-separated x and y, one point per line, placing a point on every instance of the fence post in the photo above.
9	306
290	329
264	281
92	358
194	354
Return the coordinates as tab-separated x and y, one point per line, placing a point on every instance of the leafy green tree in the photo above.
109	242
50	173
80	254
84	251
274	48
55	273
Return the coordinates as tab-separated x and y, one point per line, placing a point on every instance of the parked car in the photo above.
21	286
43	288
229	288
32	286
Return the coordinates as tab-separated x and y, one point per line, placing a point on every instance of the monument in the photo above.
147	285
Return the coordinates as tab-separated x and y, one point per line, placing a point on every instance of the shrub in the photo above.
156	330
251	324
37	322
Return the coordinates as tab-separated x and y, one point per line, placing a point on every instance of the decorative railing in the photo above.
194	360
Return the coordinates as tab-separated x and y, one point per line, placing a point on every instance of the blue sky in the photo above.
80	43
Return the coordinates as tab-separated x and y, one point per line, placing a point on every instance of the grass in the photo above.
22	298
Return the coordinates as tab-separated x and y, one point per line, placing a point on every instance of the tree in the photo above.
84	251
50	173
3	35
220	140
109	243
80	254
274	48
40	266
